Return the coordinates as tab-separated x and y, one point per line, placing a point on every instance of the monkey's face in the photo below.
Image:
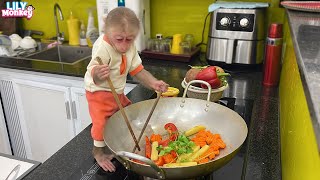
122	41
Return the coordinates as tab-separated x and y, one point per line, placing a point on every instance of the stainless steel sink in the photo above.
62	54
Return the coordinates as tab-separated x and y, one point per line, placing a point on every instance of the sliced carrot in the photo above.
212	156
200	143
220	143
209	139
204	160
201	133
200	139
155	137
148	148
216	136
214	146
168	158
206	154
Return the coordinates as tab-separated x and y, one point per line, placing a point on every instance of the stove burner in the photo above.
90	170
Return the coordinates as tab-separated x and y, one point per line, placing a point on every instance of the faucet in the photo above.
60	36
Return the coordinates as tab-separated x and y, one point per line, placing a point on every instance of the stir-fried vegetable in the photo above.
180	150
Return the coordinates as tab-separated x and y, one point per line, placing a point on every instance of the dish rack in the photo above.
201	93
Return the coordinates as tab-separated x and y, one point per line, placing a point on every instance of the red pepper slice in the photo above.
174	154
170	127
172	130
164	143
159	161
148	148
168	158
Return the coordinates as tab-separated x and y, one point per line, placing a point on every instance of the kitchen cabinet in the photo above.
43	111
45	117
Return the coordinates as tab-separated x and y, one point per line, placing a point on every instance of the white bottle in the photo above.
83	37
92	32
102	12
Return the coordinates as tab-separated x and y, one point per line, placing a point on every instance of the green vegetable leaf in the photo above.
181	145
162	153
159	148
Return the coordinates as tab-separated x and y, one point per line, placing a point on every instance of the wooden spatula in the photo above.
148	119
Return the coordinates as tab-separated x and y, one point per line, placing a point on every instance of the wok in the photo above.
184	113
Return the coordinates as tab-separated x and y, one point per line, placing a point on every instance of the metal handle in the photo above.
198	81
68	110
74	110
160	172
15	170
230	51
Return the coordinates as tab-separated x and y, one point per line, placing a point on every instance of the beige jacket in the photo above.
114	59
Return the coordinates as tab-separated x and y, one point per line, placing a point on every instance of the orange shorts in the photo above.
102	105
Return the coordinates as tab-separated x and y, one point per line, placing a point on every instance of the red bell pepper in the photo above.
148	148
211	76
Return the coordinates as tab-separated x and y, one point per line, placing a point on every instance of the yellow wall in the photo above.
43	15
179	16
299	152
167	16
187	16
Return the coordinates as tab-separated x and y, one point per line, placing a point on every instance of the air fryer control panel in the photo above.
235	22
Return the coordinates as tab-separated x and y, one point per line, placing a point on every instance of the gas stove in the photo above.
90	170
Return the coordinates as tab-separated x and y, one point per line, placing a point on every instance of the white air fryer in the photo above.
140	7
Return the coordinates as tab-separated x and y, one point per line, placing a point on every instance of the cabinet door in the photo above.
4	138
44	111
80	110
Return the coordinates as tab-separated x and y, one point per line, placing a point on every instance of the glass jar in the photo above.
153	45
150	44
156	45
165	45
189	38
185	47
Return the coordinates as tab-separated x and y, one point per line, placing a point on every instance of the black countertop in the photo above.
262	159
305	32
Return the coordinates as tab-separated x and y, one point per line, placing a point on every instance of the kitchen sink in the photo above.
62	54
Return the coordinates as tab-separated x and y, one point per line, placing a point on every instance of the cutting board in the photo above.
8	162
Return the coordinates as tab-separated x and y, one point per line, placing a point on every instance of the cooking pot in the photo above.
185	113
